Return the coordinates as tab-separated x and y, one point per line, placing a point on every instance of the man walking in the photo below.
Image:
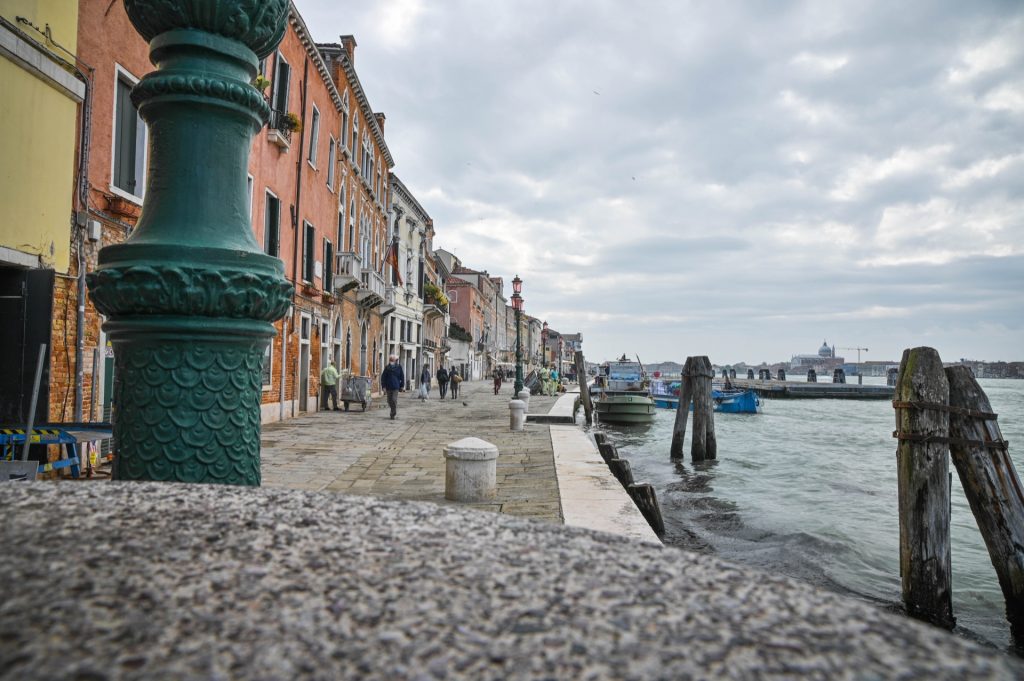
391	381
329	385
442	381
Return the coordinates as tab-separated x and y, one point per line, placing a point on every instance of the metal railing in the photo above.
280	122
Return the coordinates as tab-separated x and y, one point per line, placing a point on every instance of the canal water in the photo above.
808	489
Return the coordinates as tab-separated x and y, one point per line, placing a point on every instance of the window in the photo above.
352	226
355	136
331	152
282	74
328	266
344	127
308	253
324	330
129	139
272	225
268	365
341	227
314	135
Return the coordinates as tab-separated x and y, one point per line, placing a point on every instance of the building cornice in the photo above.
399	187
313	50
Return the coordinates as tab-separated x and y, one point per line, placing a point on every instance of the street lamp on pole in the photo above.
544	345
517	305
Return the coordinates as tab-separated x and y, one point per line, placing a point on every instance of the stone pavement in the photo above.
366	453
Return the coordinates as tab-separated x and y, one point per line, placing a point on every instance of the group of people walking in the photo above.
392	380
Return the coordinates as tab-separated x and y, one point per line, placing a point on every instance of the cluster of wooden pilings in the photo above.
696	388
642	494
943	413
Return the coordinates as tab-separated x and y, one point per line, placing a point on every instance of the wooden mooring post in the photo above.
581	378
922	428
993	489
696	388
682	411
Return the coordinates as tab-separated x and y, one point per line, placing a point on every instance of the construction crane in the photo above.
858	352
860	376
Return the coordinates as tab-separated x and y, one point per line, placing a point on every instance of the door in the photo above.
304	364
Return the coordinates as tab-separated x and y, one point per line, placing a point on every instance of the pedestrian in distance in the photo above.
497	381
455	379
425	383
392	380
442	381
329	385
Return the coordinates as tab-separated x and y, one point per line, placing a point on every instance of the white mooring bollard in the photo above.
517	414
524	395
470	470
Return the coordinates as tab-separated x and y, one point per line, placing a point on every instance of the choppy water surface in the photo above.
808	489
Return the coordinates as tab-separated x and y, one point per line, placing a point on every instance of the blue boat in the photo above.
666	396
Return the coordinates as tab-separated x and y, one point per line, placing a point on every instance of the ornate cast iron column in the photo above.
191	297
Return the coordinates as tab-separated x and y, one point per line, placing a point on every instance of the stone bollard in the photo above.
524	396
517	414
470	470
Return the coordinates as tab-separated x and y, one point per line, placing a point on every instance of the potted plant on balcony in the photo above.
291	122
309	289
261	83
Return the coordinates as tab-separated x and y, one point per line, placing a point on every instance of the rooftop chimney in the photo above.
348	43
379	115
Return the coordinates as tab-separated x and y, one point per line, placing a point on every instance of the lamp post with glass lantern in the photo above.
517	305
544	345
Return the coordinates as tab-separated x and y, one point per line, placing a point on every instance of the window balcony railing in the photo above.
373	290
279	130
348	267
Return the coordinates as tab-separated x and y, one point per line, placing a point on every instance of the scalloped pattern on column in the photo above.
189	411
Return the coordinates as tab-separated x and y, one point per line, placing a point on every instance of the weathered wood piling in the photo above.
812	376
581	377
695	387
922	427
642	494
993	489
682	411
704	445
838	376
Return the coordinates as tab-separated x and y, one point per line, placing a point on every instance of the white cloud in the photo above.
820	63
806	110
905	162
981	170
989	56
1006	97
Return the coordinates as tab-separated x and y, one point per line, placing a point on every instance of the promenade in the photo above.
366	453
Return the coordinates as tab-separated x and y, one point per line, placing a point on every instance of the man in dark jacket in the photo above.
442	381
391	381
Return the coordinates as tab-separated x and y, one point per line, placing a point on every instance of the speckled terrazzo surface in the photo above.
182	582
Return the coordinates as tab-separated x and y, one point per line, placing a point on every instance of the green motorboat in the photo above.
623	395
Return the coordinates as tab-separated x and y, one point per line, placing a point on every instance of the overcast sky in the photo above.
736	179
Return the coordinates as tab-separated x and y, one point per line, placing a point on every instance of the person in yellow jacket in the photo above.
329	385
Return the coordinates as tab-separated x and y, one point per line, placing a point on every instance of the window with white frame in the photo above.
272	225
314	135
282	76
309	253
331	154
328	265
129	143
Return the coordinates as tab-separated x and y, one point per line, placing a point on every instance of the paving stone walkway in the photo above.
367	453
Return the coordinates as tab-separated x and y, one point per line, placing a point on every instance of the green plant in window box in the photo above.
292	122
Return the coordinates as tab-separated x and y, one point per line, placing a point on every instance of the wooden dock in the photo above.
793	390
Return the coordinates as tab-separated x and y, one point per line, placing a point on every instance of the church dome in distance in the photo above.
824	350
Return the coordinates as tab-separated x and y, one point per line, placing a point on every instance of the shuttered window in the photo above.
129	140
272	226
309	253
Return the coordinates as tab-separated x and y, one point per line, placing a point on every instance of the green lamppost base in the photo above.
190	296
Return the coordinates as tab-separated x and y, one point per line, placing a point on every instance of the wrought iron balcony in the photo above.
348	267
279	130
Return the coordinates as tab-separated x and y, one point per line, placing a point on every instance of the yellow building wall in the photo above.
37	149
